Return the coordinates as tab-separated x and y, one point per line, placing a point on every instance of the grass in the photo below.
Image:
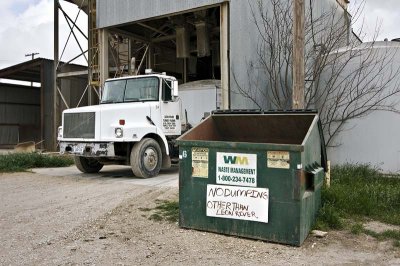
358	193
357	228
394	235
165	211
19	162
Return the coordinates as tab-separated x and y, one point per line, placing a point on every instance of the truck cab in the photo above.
136	124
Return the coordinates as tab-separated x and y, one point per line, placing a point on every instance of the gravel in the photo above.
74	219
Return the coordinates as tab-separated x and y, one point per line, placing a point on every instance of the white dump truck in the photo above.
136	124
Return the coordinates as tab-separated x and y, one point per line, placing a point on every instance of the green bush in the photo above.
17	162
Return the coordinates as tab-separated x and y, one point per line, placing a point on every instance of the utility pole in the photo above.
33	57
298	55
53	105
31	54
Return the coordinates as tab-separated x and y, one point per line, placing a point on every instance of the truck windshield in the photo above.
131	90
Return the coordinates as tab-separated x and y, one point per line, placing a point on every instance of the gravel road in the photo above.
63	217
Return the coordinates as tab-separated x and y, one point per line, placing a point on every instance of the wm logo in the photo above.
236	160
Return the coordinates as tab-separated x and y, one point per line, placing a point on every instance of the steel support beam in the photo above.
103	56
72	74
224	43
56	62
151	28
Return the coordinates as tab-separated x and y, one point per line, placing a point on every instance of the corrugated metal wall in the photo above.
244	37
245	40
111	13
31	113
19	114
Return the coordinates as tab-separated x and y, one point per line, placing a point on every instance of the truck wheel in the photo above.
146	158
87	165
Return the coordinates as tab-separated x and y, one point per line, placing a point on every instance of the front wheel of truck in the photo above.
87	165
146	158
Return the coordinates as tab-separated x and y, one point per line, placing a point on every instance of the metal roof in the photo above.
31	70
26	71
82	4
115	13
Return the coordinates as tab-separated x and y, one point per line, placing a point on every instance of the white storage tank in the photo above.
198	98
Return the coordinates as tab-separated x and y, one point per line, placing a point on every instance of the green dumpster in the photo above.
253	174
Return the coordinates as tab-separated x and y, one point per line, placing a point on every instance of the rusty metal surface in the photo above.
112	13
278	129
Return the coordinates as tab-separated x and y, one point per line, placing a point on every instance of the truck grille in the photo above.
79	125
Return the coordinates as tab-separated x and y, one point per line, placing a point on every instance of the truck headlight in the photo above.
119	133
60	132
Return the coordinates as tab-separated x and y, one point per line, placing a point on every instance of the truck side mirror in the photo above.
175	88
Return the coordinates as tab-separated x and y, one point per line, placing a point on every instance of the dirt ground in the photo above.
61	217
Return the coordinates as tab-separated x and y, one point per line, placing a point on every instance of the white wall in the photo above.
374	139
199	97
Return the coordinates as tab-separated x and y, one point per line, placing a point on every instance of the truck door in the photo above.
170	110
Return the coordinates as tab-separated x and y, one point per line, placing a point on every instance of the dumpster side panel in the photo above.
312	162
284	211
312	148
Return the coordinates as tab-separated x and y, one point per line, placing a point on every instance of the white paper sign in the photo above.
242	203
238	169
169	123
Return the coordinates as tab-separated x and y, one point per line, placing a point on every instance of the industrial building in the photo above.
30	110
191	40
194	41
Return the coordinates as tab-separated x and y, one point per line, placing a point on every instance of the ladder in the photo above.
94	71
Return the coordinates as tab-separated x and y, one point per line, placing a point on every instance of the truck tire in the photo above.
87	165
146	158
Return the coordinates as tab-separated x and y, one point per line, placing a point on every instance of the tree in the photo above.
345	78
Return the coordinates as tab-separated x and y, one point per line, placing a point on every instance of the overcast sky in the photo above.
26	26
383	15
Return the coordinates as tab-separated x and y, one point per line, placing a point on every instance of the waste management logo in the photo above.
238	169
242	160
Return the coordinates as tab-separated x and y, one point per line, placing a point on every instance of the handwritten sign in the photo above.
237	169
242	203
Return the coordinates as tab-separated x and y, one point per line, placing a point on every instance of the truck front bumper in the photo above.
88	149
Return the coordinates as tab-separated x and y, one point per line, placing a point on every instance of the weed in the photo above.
169	210
164	211
144	209
156	217
388	234
329	218
18	162
359	191
392	234
373	234
357	228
